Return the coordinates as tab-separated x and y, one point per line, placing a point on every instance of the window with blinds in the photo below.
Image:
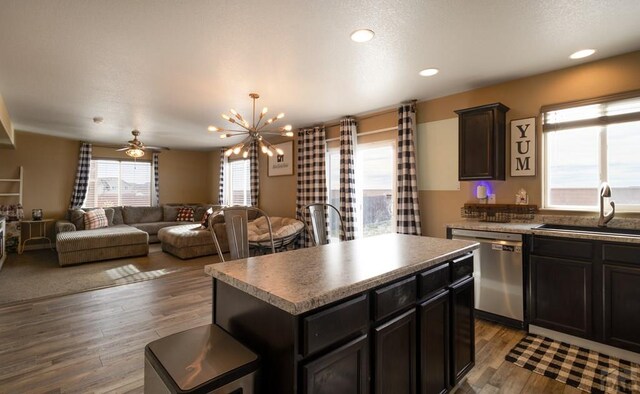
117	183
239	186
588	143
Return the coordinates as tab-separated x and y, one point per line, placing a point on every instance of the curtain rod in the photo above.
366	133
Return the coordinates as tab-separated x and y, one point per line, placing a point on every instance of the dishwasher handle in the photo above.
496	244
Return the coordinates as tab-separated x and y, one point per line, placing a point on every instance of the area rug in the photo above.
578	367
36	273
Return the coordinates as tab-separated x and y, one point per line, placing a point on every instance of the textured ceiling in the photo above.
169	68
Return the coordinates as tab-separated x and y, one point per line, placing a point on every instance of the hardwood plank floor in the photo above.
93	342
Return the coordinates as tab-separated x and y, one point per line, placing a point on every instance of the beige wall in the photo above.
524	97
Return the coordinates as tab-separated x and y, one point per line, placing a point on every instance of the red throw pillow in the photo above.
205	218
185	214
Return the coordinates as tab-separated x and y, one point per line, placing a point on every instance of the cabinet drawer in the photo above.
621	253
562	247
394	298
461	267
334	324
433	280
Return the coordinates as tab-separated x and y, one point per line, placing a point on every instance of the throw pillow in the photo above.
109	212
205	218
76	216
185	214
95	219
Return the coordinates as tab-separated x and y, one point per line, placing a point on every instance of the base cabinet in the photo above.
395	355
463	349
622	306
344	370
434	322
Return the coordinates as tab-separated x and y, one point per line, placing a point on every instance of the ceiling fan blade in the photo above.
122	149
156	148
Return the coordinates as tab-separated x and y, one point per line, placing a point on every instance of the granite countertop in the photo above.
531	228
301	280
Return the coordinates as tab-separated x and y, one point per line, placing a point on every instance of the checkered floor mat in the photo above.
584	369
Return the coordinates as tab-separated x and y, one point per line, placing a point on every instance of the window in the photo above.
588	144
116	182
375	186
238	190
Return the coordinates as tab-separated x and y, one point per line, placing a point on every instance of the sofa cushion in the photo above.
185	235
258	230
117	216
169	213
96	218
76	216
153	228
185	214
134	215
107	237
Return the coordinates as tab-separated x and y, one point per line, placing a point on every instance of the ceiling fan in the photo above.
135	148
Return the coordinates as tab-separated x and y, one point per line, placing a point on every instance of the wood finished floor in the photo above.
93	342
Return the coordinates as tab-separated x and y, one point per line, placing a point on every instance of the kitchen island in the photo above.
381	314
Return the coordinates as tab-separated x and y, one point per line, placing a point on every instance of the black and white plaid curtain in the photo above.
312	178
347	177
82	177
156	179
223	161
408	213
254	174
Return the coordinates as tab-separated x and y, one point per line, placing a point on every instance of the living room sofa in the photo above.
129	233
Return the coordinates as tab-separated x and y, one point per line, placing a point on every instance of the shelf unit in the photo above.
20	181
12	232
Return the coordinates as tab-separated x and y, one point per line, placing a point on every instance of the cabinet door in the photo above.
344	370
622	306
463	349
476	145
434	344
395	355
561	295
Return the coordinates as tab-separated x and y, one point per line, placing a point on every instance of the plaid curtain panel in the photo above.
82	177
254	175
156	179
223	161
347	177
312	178
408	212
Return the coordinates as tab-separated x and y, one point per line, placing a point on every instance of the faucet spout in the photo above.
605	191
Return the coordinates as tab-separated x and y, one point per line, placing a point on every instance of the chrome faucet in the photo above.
605	191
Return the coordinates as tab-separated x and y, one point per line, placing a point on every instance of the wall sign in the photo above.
523	147
282	164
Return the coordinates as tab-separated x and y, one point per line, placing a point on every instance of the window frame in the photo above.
120	161
602	122
228	188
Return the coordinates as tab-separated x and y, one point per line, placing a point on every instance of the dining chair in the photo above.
236	219
317	214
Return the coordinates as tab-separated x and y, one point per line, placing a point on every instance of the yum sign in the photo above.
523	147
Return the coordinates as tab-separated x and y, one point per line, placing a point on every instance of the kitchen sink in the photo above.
593	230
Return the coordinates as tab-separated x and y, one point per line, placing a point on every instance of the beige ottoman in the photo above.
83	246
191	240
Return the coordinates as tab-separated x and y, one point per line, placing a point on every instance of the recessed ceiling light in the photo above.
362	35
582	53
429	72
98	119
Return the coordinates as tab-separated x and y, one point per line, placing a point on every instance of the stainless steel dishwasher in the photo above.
498	266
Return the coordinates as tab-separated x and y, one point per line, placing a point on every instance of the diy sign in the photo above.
523	147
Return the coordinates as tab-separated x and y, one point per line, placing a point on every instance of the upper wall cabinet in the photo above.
482	142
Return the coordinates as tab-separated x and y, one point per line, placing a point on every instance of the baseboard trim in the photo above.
585	343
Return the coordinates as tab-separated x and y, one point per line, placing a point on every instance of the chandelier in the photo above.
254	132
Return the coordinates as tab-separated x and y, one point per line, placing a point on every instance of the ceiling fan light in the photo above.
134	152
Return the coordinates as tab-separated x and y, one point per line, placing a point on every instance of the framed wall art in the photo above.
282	164
523	147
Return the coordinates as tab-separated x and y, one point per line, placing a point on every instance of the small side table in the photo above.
41	225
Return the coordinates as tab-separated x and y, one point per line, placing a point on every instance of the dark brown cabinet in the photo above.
622	305
561	295
481	142
434	321
395	355
586	288
344	370
463	350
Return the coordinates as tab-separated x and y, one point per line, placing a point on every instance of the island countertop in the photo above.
301	280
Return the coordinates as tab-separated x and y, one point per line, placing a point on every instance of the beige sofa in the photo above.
129	233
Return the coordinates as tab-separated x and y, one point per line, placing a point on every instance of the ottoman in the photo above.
191	240
107	243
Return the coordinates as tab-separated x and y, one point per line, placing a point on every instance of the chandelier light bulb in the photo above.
237	149
288	127
289	133
269	153
245	154
233	111
264	111
212	129
264	149
223	136
279	151
280	115
228	152
226	117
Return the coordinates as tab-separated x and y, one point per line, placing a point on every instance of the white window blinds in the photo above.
116	183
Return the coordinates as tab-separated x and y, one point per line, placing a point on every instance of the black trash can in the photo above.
201	360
